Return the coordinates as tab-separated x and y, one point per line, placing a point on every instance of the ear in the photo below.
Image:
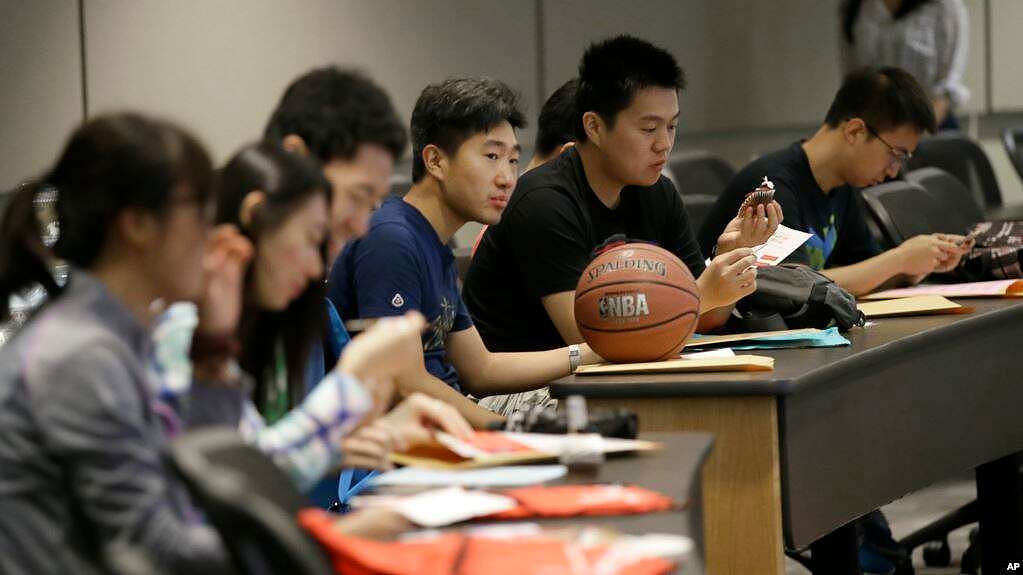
564	147
853	129
594	126
250	204
295	144
138	228
436	162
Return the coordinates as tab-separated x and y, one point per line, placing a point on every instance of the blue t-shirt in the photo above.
398	266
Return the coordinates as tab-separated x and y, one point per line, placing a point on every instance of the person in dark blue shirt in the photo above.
401	265
348	122
465	164
870	131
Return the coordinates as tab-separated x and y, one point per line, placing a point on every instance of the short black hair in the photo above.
558	118
612	71
885	98
335	111
449	113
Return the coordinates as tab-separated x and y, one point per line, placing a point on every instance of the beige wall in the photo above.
1007	80
40	84
760	73
221	66
743	70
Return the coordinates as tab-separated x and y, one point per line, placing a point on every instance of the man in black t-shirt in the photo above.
871	129
520	288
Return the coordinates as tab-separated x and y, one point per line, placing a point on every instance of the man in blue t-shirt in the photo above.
465	165
870	131
401	265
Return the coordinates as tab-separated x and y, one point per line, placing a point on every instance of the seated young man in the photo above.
555	129
555	132
349	124
870	131
520	287
465	164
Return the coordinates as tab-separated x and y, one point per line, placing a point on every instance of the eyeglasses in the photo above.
900	157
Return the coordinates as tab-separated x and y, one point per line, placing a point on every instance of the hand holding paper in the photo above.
779	246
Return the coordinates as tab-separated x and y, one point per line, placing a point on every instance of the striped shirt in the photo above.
305	442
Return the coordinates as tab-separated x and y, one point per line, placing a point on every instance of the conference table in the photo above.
673	470
833	433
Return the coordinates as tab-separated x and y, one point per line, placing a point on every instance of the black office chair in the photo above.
698	206
1012	139
903	209
699	172
5	196
893	205
959	208
249	501
964	159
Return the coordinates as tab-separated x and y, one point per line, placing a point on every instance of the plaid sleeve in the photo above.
306	442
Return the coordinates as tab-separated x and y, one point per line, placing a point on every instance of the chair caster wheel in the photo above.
937	554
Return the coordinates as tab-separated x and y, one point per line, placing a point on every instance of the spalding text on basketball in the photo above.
642	265
623	305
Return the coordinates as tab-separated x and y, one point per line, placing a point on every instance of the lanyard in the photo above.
345	489
275	393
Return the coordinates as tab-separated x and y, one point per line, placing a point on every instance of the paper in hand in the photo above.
780	245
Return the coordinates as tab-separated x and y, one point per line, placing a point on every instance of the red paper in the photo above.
574	500
465	555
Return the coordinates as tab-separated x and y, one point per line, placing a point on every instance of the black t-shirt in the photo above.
544	242
837	219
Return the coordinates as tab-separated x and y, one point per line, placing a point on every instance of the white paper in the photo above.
440	507
783	242
666	545
723	352
554	444
508	476
548	443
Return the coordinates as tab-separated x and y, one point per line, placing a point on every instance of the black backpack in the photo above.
795	296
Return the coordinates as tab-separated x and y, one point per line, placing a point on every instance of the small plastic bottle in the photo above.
583	453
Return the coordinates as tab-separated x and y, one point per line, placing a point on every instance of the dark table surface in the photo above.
673	470
794	368
912	401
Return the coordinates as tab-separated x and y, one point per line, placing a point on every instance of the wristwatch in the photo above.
575	357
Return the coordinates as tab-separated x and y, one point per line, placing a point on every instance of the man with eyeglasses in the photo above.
869	133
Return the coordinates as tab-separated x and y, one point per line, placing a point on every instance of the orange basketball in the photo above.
636	302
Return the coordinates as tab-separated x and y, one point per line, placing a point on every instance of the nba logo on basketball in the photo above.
623	305
636	302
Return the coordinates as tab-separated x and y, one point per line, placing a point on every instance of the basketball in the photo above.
636	302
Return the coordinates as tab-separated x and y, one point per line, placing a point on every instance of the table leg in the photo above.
836	552
741	479
1000	502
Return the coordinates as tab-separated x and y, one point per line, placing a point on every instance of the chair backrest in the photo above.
700	172
5	196
1012	139
249	501
903	209
960	211
964	159
698	206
